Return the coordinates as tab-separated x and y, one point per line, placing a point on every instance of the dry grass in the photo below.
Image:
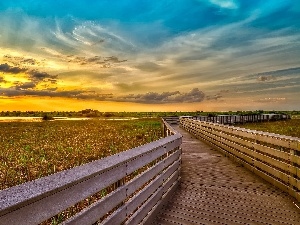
32	150
285	127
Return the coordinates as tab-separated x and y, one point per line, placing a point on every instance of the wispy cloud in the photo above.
2	80
20	60
271	100
28	89
195	95
25	86
9	69
265	78
35	77
227	4
156	52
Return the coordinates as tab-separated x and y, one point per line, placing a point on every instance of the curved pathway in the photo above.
215	190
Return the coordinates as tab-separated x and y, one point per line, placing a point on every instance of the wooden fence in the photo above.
234	119
140	180
275	158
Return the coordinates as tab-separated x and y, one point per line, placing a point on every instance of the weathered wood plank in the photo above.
42	209
36	201
249	146
142	214
214	190
136	201
93	213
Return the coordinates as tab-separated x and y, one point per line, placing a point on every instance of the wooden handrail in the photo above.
275	158
137	196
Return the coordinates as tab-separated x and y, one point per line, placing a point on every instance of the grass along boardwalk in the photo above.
215	190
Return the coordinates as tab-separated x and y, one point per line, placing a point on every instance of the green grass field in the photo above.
285	127
30	150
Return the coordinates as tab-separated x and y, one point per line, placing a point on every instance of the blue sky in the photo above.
142	55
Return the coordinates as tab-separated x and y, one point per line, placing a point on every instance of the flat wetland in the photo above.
286	127
30	150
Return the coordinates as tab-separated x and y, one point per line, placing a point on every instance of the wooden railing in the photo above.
275	158
142	179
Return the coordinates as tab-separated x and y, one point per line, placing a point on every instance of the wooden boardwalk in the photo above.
215	190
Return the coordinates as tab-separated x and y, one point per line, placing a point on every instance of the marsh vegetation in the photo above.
285	127
32	150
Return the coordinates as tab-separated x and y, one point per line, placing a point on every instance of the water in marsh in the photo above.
34	119
39	119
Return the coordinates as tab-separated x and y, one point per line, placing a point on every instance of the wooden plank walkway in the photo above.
215	190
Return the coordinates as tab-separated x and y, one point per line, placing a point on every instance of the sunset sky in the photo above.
147	55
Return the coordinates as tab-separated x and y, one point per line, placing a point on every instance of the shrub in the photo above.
47	117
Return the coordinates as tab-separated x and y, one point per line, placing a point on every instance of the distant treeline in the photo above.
96	113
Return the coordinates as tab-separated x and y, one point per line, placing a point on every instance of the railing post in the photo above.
254	142
164	129
291	165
